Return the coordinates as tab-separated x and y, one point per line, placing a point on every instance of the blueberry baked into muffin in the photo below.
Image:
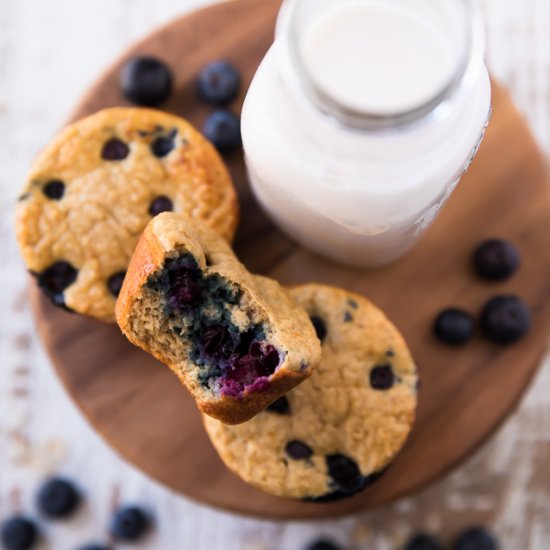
92	191
235	340
335	434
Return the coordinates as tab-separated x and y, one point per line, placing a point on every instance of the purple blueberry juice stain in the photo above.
230	360
251	371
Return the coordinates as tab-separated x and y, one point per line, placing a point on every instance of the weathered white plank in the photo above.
49	52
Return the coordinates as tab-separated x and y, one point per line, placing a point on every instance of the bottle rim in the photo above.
465	74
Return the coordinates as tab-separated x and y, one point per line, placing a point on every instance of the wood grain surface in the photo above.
142	411
50	52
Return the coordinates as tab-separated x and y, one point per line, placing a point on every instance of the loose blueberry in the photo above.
163	145
320	327
454	326
382	377
115	149
505	319
281	406
146	81
159	205
54	189
18	533
344	473
223	129
297	450
114	283
129	523
475	538
496	260
323	544
423	541
57	498
55	279
94	547
219	83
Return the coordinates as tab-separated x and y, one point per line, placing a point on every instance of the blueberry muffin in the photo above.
235	340
92	191
335	434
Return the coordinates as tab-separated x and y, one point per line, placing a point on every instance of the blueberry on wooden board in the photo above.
54	189
423	541
57	498
475	538
505	319
146	81
496	260
18	533
223	129
454	326
129	523
323	544
219	82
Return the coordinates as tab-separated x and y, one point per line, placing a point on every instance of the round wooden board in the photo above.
142	411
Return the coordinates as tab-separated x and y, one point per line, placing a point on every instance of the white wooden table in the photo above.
49	52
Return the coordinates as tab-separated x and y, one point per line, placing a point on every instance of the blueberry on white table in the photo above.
58	498
146	81
219	82
423	541
129	523
476	538
323	544
18	533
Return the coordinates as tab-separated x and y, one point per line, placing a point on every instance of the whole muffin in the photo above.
335	434
92	191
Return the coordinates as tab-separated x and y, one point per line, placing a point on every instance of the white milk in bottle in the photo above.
362	118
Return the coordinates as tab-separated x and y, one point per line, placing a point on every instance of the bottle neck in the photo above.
382	64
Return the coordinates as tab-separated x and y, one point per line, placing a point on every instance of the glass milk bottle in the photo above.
362	118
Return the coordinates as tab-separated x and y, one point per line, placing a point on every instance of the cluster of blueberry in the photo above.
505	319
58	499
148	81
474	538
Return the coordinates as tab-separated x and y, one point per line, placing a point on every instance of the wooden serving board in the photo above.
140	408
